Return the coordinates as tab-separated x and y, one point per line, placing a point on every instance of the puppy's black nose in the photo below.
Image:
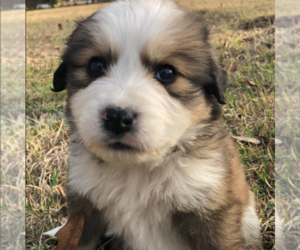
118	120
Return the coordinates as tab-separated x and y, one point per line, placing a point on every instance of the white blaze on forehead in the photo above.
126	26
129	24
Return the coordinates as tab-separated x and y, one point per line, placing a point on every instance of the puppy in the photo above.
150	165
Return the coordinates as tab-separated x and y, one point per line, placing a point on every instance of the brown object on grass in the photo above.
233	67
247	139
69	236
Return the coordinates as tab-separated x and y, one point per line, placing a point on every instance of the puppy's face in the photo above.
141	79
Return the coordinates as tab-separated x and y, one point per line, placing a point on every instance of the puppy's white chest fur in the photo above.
137	203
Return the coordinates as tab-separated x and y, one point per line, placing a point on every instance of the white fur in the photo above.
279	229
129	24
250	226
161	119
137	202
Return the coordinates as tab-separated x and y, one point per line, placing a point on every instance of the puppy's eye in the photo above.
96	67
166	74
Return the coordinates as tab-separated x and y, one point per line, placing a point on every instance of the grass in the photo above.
249	111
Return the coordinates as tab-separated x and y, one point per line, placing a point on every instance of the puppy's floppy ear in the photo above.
218	88
59	78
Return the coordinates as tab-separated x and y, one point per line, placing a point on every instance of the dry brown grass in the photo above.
218	4
249	110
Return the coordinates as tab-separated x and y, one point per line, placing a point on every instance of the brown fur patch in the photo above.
89	40
186	47
199	78
219	225
238	182
213	230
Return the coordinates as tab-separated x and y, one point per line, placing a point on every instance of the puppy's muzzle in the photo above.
118	121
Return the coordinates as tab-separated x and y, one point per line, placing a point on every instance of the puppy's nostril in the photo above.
106	118
126	117
127	122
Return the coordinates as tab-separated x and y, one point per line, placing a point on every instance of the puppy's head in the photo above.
141	78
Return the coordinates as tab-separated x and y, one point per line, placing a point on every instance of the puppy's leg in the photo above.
94	224
251	226
219	229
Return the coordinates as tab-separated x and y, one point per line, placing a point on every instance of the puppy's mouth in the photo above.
120	146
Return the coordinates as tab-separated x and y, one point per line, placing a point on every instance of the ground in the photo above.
245	47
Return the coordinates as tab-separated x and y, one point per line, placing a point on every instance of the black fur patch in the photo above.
113	243
219	85
72	66
94	224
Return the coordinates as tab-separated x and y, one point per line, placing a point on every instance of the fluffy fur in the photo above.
178	184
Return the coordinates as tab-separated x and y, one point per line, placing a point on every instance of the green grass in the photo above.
249	111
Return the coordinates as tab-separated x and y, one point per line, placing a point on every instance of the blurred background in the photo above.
12	113
45	4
